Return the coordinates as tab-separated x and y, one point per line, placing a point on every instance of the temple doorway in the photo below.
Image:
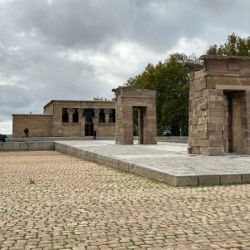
127	101
234	121
89	126
139	123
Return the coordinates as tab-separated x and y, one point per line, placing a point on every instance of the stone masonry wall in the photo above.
198	115
50	123
38	125
78	129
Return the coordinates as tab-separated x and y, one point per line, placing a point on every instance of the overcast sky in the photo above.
79	49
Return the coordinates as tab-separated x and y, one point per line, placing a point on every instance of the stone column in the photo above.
124	124
106	111
215	122
70	113
247	132
140	126
96	119
81	121
149	124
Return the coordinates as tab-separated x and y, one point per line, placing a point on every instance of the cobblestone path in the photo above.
54	201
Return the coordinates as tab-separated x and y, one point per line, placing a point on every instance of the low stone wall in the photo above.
178	139
52	139
27	146
121	165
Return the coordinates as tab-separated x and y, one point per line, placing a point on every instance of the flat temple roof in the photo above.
87	101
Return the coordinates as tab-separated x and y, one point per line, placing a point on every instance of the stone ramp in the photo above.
166	162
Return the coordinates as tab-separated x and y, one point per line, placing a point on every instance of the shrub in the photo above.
3	138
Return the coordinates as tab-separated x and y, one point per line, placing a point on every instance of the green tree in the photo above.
3	138
235	46
170	80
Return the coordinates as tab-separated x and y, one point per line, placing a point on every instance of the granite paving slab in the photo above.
169	159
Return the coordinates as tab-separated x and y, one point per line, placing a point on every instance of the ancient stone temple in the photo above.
68	119
142	100
219	106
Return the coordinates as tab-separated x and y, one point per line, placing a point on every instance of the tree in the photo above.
170	80
3	138
235	46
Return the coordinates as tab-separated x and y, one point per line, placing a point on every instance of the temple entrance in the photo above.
139	123
89	129
89	126
219	106
234	121
135	115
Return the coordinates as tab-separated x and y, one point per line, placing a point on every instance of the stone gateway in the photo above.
219	106
143	100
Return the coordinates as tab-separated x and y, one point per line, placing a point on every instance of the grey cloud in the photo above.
73	23
13	99
35	34
99	23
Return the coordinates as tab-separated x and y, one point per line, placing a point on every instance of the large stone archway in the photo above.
128	98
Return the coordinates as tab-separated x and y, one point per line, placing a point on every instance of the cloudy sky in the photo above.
78	49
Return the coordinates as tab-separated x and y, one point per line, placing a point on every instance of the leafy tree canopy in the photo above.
170	80
235	46
3	138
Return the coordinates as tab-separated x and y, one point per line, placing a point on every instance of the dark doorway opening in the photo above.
65	115
139	123
112	116
234	121
101	116
75	116
135	122
89	126
89	129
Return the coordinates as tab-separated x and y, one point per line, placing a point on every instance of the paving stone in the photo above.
246	178
230	179
209	180
186	181
75	204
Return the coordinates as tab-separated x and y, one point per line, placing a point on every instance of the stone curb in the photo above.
27	146
178	181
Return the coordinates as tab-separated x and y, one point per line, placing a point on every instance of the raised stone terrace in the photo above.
166	162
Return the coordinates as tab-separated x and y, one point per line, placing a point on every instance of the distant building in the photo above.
62	118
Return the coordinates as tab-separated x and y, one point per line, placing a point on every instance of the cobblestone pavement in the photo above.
53	201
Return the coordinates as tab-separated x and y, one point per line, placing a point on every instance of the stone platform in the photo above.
166	162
